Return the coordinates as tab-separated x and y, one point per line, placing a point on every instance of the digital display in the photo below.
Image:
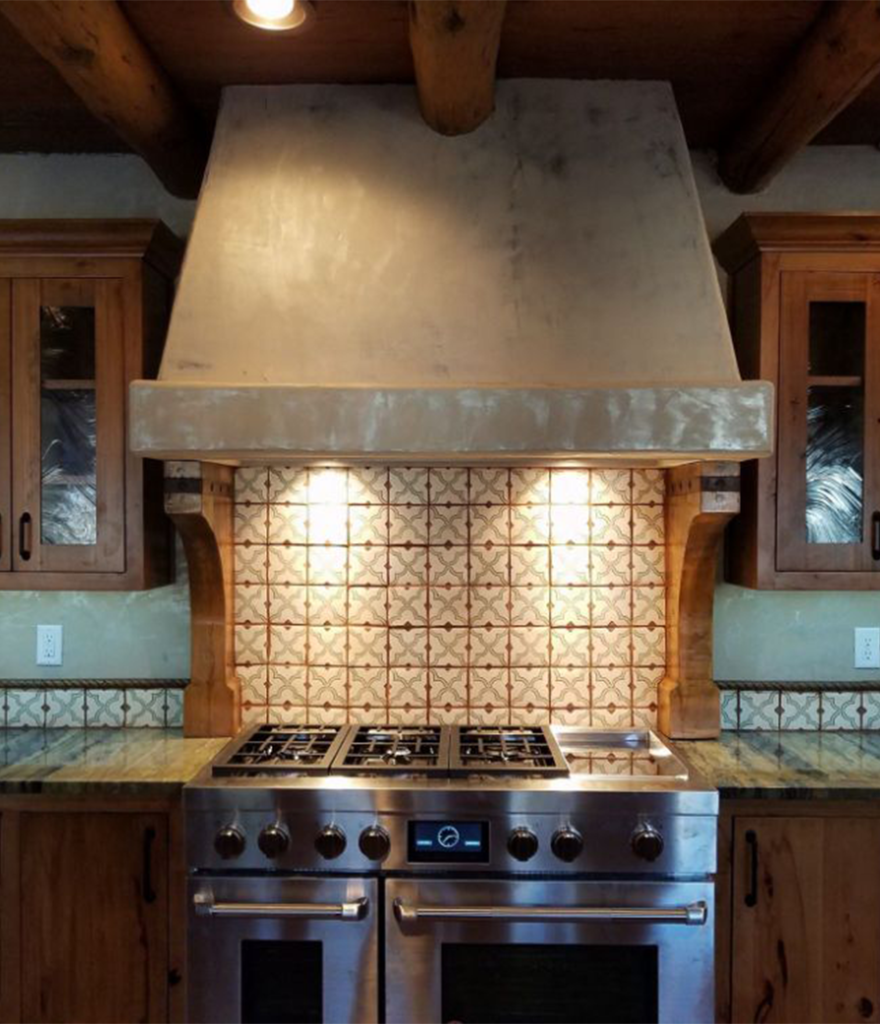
449	842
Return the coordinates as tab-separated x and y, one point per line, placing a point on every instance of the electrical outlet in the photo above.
49	644
867	647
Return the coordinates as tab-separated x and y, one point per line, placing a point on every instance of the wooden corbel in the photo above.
701	499
199	500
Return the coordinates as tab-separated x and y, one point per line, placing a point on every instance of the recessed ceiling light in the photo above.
274	15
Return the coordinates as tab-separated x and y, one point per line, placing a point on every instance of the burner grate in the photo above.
395	749
499	749
283	749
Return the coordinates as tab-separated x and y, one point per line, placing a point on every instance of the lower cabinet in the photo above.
804	918
87	895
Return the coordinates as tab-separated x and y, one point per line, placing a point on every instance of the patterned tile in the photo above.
841	711
729	709
759	710
64	708
144	708
449	594
799	710
104	708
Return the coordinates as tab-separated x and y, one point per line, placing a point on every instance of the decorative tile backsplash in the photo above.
411	594
753	707
92	703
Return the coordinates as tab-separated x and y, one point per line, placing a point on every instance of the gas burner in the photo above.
283	749
416	749
503	749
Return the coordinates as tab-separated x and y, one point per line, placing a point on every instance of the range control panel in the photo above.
448	842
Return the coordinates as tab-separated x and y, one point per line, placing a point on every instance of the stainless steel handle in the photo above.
355	910
692	913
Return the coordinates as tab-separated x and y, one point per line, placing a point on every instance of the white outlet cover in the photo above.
867	647
50	641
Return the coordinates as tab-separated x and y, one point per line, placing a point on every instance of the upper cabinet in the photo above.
83	311
805	313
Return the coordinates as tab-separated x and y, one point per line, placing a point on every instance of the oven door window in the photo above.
281	982
548	984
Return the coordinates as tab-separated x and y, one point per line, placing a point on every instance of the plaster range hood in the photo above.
359	287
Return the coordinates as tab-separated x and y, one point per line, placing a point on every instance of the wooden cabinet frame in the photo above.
760	252
166	956
5	426
128	266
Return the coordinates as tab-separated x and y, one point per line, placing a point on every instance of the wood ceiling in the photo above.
722	57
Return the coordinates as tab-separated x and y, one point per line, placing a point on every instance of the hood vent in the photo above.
357	286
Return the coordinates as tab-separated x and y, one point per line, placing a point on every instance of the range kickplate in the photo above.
506	750
284	750
394	749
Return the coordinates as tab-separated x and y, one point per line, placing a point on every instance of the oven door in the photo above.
549	951
282	950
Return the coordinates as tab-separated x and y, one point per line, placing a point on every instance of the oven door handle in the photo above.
352	910
692	913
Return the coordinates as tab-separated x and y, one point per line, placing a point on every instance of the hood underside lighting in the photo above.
274	15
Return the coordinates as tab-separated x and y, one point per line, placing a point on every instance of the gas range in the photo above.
544	834
315	797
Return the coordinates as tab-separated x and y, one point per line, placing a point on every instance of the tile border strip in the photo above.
800	707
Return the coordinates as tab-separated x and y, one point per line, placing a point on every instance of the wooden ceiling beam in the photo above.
837	59
455	48
96	51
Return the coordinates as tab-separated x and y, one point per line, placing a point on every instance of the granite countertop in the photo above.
122	762
789	765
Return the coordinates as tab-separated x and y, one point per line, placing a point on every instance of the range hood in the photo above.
359	287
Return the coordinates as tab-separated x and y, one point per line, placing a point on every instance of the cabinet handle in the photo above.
752	842
1	534
875	536
148	891
24	536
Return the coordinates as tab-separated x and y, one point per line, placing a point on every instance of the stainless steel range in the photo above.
434	873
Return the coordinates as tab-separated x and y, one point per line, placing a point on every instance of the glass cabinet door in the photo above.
827	501
5	425
68	462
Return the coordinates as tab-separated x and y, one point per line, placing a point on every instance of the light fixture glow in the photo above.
274	15
270	10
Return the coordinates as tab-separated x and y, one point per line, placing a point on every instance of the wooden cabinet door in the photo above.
5	425
828	496
806	919
68	425
94	916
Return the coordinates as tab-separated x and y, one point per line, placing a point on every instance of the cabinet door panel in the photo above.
94	917
5	425
806	919
68	425
828	477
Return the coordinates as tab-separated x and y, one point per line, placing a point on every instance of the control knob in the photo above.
567	844
647	843
330	842
374	843
229	842
522	844
273	841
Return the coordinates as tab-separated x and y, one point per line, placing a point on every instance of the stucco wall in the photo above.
758	636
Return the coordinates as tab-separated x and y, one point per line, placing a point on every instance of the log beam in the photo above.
455	48
95	50
701	499
199	500
835	62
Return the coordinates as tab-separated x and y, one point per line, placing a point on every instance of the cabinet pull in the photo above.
875	536
1	534
148	891
24	536
752	842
